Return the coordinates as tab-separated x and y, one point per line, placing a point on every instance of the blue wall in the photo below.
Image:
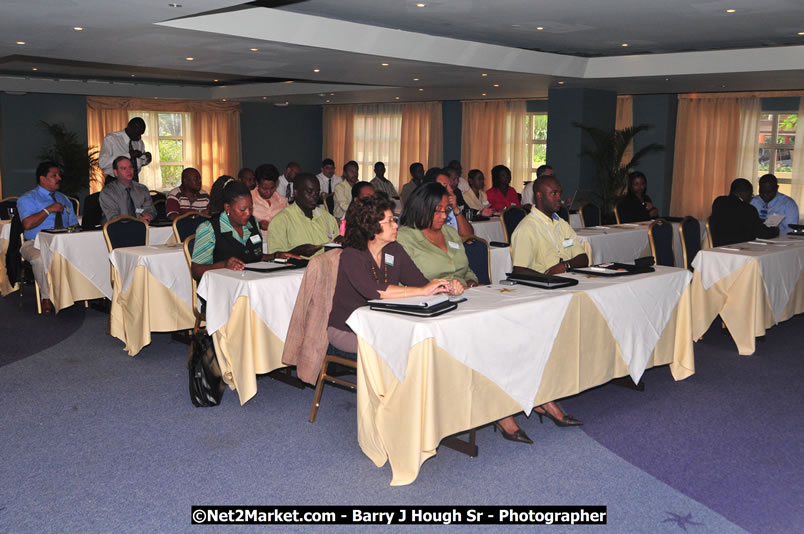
23	137
279	135
452	113
658	111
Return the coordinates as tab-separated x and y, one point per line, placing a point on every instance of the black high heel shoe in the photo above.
567	420
518	436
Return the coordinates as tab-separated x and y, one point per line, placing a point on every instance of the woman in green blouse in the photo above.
437	250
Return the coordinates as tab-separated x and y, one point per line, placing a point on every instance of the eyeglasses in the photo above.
395	220
444	211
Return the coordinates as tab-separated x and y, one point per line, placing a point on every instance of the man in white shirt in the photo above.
343	191
127	142
770	202
527	191
327	177
285	185
455	165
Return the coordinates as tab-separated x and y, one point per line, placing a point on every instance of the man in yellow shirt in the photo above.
544	242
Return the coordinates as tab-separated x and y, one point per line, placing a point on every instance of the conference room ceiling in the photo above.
337	51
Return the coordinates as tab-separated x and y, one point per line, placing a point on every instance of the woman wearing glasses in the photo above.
373	265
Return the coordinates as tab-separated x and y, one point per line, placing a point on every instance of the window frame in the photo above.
533	141
773	146
153	140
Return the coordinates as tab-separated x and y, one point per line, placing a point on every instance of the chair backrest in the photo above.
616	214
93	214
590	215
125	231
188	245
690	230
709	239
564	213
76	205
7	208
510	217
660	233
477	250
157	195
161	211
186	225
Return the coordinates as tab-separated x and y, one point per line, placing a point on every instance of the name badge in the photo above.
453	244
139	211
389	260
255	238
568	243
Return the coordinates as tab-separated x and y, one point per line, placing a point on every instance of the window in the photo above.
777	136
536	140
378	137
166	137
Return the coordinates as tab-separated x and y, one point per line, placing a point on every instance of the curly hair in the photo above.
363	221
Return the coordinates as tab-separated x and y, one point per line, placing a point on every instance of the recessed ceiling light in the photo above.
133	75
800	33
484	74
540	28
327	100
496	85
78	28
332	94
254	49
421	5
20	42
730	10
316	70
482	94
288	81
396	98
174	5
215	80
34	68
420	89
223	100
560	83
190	58
265	98
624	44
384	64
415	79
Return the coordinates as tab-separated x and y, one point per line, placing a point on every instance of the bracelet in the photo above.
47	212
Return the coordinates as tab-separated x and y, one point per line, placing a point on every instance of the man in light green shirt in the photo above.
544	242
302	228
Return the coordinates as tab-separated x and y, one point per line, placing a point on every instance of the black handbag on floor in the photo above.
206	382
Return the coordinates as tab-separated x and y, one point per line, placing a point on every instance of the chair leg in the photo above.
38	298
22	285
319	390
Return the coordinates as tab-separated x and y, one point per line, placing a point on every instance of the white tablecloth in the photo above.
271	296
636	309
5	230
490	230
165	262
781	262
501	263
87	252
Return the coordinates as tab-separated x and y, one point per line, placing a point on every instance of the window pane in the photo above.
171	175
171	150
784	163
539	155
766	128
540	127
764	160
170	124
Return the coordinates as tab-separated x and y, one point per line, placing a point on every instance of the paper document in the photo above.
774	220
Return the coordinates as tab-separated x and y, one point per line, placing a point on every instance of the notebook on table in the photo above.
417	306
542	281
613	269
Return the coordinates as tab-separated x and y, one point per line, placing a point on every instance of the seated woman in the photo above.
438	251
267	202
230	239
502	195
359	190
475	197
636	205
373	265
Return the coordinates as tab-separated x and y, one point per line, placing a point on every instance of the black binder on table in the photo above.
613	269
427	307
542	281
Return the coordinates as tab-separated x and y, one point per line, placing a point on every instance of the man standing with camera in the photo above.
127	142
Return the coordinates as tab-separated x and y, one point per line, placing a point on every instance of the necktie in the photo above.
131	150
329	186
287	192
59	222
131	209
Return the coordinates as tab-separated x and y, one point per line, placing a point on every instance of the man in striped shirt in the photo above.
188	196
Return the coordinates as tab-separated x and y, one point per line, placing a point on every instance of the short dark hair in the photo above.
471	174
351	163
415	165
496	173
379	163
741	185
768	179
433	173
359	187
242	172
327	161
234	190
454	164
118	159
303	177
43	168
266	171
137	122
363	221
541	168
633	175
420	208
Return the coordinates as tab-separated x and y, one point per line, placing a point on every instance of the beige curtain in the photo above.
707	139
377	132
493	133
422	137
797	190
214	132
338	134
748	148
625	119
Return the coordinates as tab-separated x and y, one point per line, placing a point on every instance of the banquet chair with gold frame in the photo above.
200	317
477	251
690	231
36	284
510	218
123	231
709	240
185	225
616	214
660	234
590	215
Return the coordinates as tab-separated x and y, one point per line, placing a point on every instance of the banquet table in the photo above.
77	264
752	286
490	230
152	292
5	285
626	242
420	380
248	315
501	263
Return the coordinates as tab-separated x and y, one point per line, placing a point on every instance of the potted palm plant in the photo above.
609	149
78	161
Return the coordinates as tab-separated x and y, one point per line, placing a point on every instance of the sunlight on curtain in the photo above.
494	133
797	189
338	141
707	138
422	138
377	134
625	119
748	149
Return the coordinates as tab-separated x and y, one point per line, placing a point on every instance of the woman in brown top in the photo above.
373	265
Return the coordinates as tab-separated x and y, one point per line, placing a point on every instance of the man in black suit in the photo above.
735	220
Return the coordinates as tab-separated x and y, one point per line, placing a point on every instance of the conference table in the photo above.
490	230
152	292
77	263
506	350
248	315
5	234
752	286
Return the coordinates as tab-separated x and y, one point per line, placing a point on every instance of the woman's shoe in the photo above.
519	435
567	420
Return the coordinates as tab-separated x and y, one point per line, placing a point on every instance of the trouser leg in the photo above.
33	257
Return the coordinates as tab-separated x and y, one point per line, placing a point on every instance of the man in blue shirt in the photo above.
40	209
771	202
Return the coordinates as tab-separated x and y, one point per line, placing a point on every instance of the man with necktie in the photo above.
127	142
124	196
40	209
770	201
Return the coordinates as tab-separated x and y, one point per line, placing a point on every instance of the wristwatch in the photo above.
567	266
